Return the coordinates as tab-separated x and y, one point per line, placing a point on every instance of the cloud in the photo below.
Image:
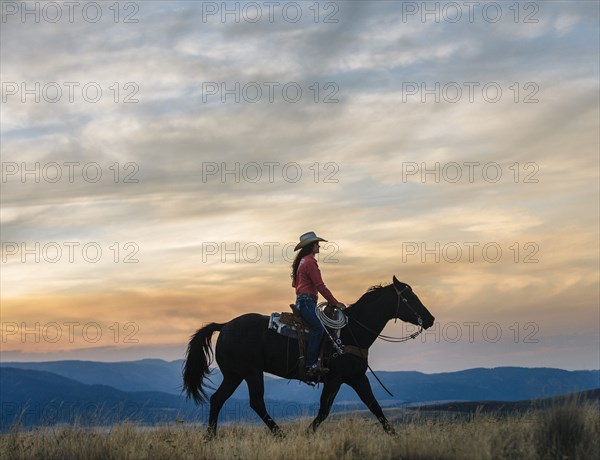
377	167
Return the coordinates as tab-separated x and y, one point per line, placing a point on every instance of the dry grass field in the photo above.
568	431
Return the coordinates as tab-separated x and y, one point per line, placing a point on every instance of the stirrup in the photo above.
316	372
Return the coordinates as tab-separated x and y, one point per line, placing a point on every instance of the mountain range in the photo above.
148	391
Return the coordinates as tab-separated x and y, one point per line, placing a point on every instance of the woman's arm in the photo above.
315	276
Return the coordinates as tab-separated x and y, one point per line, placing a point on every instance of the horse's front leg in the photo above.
362	386
330	390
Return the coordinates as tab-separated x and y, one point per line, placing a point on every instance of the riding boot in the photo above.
315	371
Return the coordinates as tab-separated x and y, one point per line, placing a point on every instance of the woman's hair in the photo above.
308	249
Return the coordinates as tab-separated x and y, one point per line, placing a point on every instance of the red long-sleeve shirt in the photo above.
309	281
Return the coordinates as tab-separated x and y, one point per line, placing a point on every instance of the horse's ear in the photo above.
395	280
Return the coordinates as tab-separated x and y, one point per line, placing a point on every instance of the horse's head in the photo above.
409	307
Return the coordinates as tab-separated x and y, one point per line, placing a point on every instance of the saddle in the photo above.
292	325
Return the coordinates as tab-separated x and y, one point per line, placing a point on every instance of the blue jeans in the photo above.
306	306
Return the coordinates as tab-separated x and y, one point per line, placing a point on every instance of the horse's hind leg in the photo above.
256	388
230	382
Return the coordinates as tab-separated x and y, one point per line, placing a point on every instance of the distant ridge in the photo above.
501	383
148	391
140	375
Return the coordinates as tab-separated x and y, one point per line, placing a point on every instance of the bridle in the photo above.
388	338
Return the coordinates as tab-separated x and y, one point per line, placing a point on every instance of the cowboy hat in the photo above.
306	239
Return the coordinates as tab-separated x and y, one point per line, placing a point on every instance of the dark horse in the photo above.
246	348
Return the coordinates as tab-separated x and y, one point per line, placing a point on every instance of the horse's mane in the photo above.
370	295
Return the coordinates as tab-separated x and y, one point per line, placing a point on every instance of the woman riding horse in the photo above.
306	278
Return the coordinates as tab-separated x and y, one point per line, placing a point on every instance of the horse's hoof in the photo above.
278	433
311	429
209	435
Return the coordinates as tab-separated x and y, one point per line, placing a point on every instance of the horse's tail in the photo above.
199	356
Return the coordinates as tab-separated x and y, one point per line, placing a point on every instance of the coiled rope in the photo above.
339	322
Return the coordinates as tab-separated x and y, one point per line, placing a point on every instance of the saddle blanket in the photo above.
284	328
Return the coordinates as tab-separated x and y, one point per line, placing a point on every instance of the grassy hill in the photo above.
565	431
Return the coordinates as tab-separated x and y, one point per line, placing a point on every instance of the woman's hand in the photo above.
341	306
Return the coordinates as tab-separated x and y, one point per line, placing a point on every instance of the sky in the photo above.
161	159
